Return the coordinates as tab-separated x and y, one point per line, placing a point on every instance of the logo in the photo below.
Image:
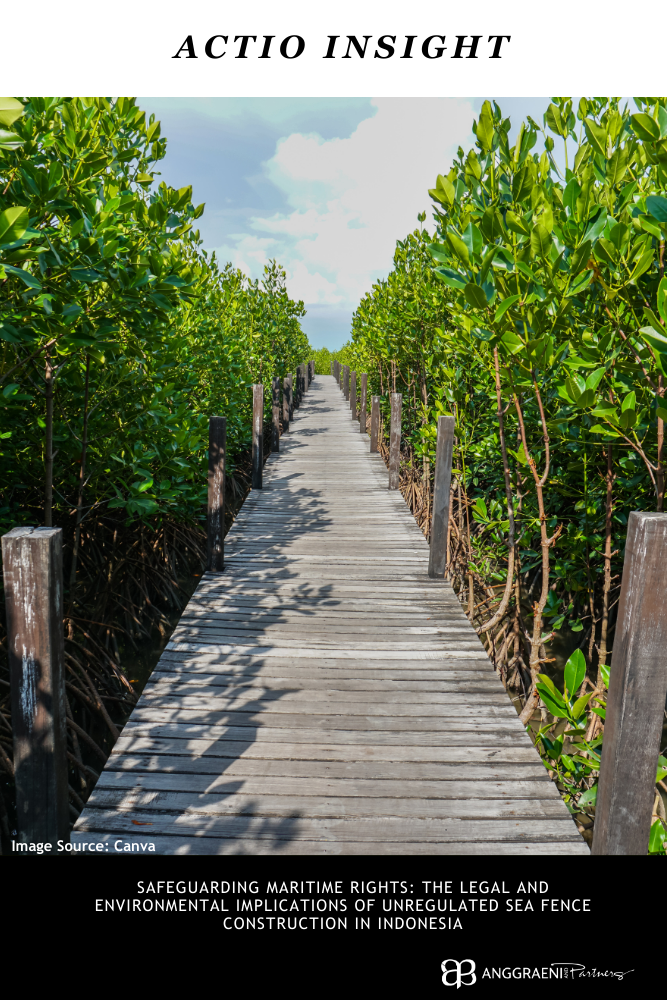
458	973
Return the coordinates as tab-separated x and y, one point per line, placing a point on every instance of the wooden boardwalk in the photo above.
323	695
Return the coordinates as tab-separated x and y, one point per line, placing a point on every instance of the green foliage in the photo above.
559	276
103	279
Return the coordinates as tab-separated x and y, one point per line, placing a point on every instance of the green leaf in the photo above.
662	299
597	136
580	257
657	206
646	128
26	277
579	284
475	296
10	140
575	671
484	130
540	240
10	110
459	247
13	224
662	768
516	224
451	278
656	840
588	798
580	704
504	306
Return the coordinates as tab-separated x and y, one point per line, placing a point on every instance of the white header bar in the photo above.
350	48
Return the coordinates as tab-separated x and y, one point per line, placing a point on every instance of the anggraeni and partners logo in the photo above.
464	973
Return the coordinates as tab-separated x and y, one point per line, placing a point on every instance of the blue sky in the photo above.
324	185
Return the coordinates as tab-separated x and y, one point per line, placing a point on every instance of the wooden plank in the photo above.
324	693
217	449
275	414
204	784
210	846
637	691
257	435
33	580
388	830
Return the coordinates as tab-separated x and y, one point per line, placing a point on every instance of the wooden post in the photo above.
286	403
290	387
637	689
275	400
375	422
332	367
217	446
257	435
346	381
395	440
353	395
362	404
33	572
437	559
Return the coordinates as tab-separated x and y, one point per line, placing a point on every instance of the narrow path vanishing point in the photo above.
323	695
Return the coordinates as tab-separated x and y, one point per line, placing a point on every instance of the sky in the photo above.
326	186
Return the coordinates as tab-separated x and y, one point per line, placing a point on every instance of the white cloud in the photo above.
351	199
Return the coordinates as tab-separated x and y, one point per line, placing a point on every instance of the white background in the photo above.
574	46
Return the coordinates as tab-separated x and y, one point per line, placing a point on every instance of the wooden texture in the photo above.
275	414
324	695
375	423
437	559
363	395
217	447
637	691
286	402
353	395
346	381
257	435
395	440
33	579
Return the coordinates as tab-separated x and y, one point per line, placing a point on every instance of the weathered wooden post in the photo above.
290	389
257	435
375	422
437	559
346	381
362	404
286	403
353	395
332	367
637	689
217	443
33	572
395	440
275	401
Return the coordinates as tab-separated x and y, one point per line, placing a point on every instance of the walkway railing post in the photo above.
437	558
257	435
33	573
275	402
395	440
375	422
217	442
346	381
637	689
362	404
353	395
286	403
290	389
